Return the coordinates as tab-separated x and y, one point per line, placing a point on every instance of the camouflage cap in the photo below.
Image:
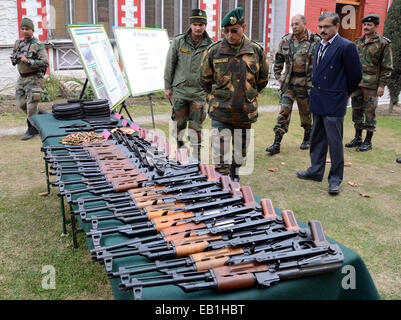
28	23
198	15
375	18
233	17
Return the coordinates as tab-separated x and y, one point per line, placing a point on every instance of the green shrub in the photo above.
78	86
50	88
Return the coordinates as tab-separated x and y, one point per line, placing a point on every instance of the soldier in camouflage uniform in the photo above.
233	72
377	63
296	53
181	77
30	56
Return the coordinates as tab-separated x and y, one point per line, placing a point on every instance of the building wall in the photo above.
279	22
313	10
9	33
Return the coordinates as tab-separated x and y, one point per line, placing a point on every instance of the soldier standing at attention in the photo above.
377	64
296	53
233	72
30	56
181	78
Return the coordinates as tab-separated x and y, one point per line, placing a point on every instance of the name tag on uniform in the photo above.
184	50
220	60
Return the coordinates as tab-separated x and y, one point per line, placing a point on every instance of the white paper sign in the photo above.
143	52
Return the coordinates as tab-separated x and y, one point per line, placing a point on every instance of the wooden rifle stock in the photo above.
238	276
214	258
268	209
289	220
248	197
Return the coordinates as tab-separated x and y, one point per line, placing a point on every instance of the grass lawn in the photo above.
365	217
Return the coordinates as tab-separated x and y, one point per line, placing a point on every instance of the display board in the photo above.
100	63
143	52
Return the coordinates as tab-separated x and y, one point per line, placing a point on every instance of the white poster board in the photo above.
100	63
143	52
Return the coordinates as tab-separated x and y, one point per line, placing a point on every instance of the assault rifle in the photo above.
208	259
265	270
226	227
160	212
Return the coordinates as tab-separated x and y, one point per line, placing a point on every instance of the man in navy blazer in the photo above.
337	72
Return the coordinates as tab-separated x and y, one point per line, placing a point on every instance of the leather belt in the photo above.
298	74
24	75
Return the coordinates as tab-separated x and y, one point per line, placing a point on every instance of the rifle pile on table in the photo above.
198	231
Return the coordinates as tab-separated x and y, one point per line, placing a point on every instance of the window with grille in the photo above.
81	12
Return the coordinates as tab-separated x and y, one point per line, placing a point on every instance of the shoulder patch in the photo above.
285	35
387	39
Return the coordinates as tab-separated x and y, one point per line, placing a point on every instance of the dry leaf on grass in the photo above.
364	195
43	194
353	184
392	171
64	235
283	163
348	164
273	169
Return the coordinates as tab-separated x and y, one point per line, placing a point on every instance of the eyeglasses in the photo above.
327	26
227	31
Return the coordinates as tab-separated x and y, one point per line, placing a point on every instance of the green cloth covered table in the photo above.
326	286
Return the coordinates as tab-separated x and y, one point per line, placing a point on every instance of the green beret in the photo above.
198	15
26	22
375	18
233	17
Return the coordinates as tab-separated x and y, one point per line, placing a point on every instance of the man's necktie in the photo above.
322	50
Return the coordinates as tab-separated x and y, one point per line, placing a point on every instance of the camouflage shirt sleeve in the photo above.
41	60
279	61
171	61
263	78
386	66
206	70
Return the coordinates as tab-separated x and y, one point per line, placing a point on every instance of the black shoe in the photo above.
334	188
306	142
30	132
398	160
275	147
306	176
357	141
27	136
367	144
305	145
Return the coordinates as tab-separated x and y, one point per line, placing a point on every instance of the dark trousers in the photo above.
327	133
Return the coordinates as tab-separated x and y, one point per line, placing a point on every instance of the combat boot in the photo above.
357	141
398	160
367	144
275	147
306	143
30	132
